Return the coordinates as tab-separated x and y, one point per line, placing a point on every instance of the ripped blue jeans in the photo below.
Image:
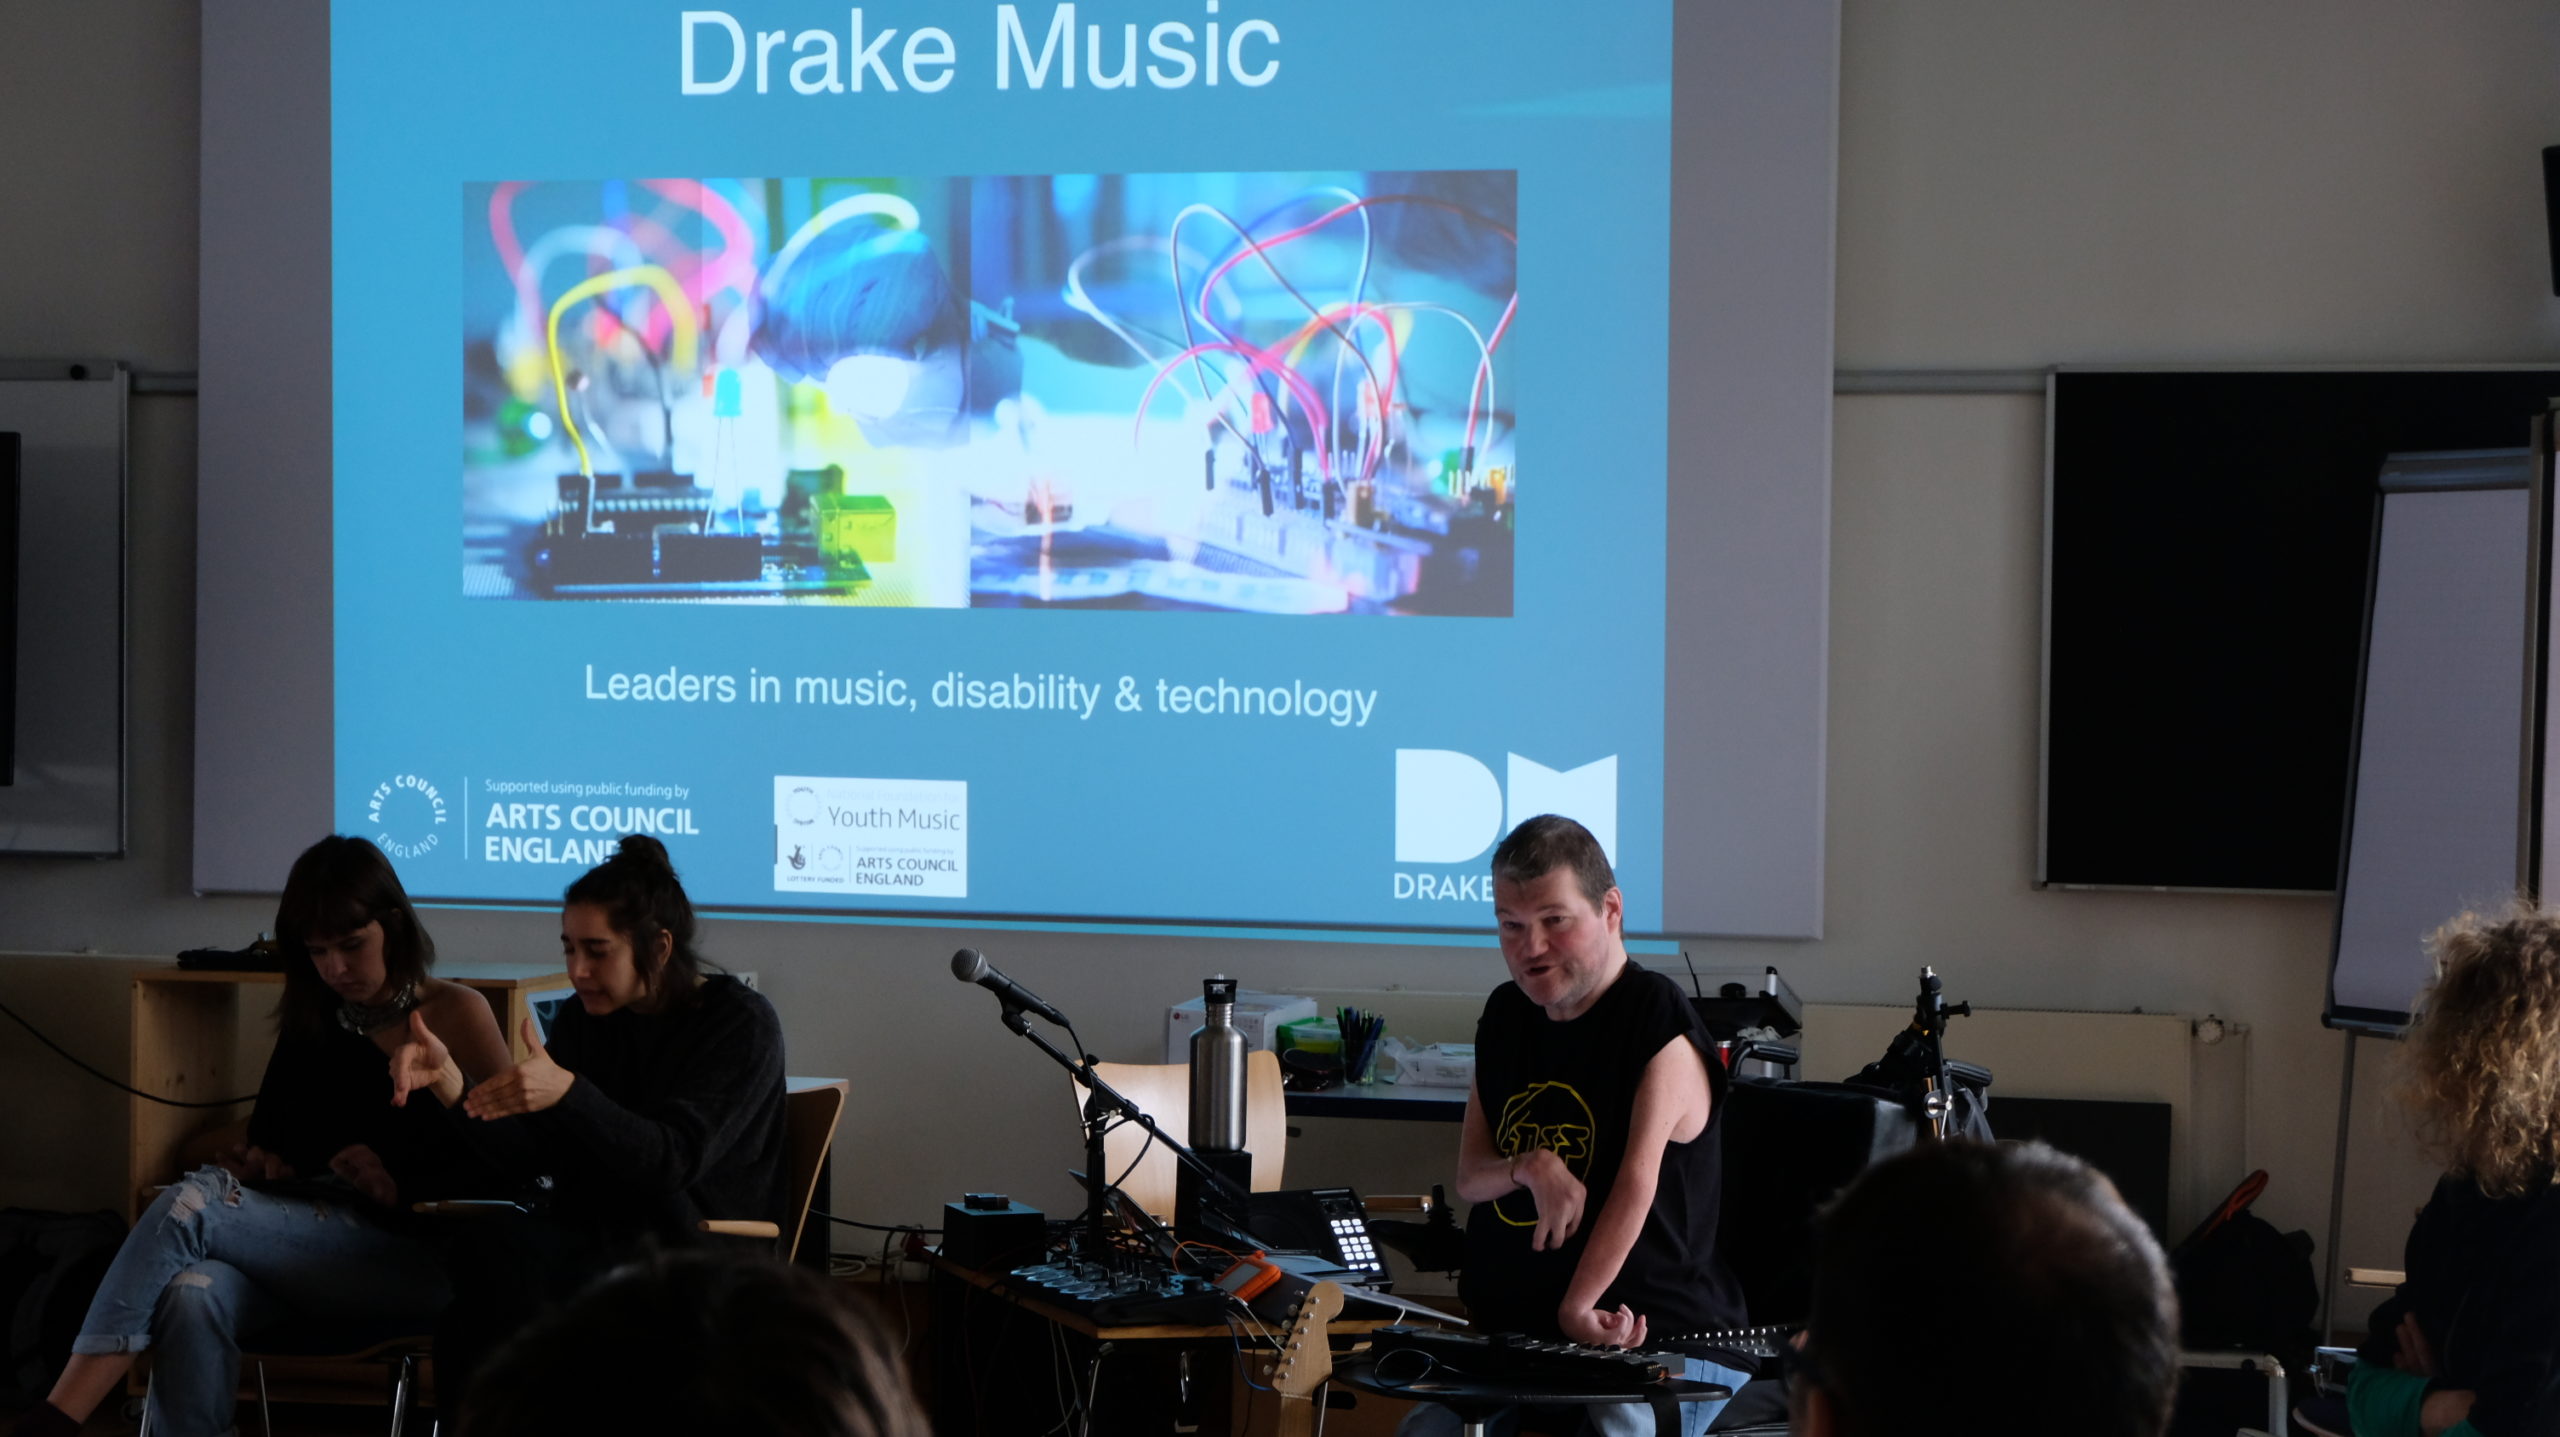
212	1262
1602	1420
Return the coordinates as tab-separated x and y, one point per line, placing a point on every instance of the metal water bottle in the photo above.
1217	1072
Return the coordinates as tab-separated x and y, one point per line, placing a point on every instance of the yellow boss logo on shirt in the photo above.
1547	1115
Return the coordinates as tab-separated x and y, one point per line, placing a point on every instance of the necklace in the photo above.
363	1018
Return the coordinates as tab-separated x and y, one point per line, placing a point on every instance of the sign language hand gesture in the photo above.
423	1061
528	1087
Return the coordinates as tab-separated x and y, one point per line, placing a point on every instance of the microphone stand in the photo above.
1103	1110
1929	1019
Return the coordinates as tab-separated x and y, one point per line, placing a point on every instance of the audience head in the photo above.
2016	1250
626	931
347	932
2482	1065
698	1342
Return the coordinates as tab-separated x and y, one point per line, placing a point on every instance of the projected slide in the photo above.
1241	393
1055	462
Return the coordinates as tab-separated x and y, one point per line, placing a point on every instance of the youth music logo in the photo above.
1451	809
891	837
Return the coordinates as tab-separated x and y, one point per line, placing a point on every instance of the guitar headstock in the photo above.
1305	1359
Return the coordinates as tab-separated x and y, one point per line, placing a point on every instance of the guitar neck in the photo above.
1297	1416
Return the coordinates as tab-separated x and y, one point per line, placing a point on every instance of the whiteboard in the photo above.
66	790
2435	812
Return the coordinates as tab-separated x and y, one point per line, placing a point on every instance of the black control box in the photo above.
977	1233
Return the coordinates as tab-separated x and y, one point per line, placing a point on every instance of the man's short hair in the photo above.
1551	841
2019	1253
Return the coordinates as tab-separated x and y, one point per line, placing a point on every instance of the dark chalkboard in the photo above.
2206	553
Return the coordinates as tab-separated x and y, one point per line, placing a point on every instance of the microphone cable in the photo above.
66	1056
873	1226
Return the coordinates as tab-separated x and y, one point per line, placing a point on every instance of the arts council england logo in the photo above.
405	814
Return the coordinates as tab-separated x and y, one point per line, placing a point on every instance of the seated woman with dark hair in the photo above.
656	1103
2472	1338
691	1342
305	1220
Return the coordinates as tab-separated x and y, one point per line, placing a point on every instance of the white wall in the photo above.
2023	183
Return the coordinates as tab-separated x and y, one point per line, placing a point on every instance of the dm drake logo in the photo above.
1450	808
406	815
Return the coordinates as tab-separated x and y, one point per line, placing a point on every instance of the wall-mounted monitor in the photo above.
66	790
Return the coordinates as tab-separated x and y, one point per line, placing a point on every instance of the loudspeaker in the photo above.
991	1234
2551	209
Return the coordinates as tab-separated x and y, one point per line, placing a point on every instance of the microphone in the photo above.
971	966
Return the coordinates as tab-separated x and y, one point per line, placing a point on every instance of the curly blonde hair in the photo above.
2482	1070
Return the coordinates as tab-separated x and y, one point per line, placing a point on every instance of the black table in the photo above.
1409	1101
1476	1402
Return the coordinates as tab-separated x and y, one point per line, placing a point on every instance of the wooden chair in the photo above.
398	1366
324	1372
303	1366
314	1365
809	1118
1163	1090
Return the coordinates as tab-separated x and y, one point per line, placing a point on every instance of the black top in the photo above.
675	1116
329	1090
1572	1087
2484	1280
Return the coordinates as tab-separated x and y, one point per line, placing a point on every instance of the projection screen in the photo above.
1188	463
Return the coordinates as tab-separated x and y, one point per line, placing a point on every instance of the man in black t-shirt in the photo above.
1591	1153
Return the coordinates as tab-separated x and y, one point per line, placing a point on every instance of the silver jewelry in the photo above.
363	1018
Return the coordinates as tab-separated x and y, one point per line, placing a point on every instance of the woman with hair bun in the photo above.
655	1103
2471	1341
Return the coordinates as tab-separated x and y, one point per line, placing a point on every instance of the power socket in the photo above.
748	978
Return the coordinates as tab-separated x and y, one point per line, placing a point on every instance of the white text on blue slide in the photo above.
717	50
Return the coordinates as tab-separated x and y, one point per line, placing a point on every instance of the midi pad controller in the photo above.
1120	1294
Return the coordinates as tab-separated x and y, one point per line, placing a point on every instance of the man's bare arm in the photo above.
1483	1172
1672	1105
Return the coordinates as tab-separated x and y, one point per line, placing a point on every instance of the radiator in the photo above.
2119	1057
